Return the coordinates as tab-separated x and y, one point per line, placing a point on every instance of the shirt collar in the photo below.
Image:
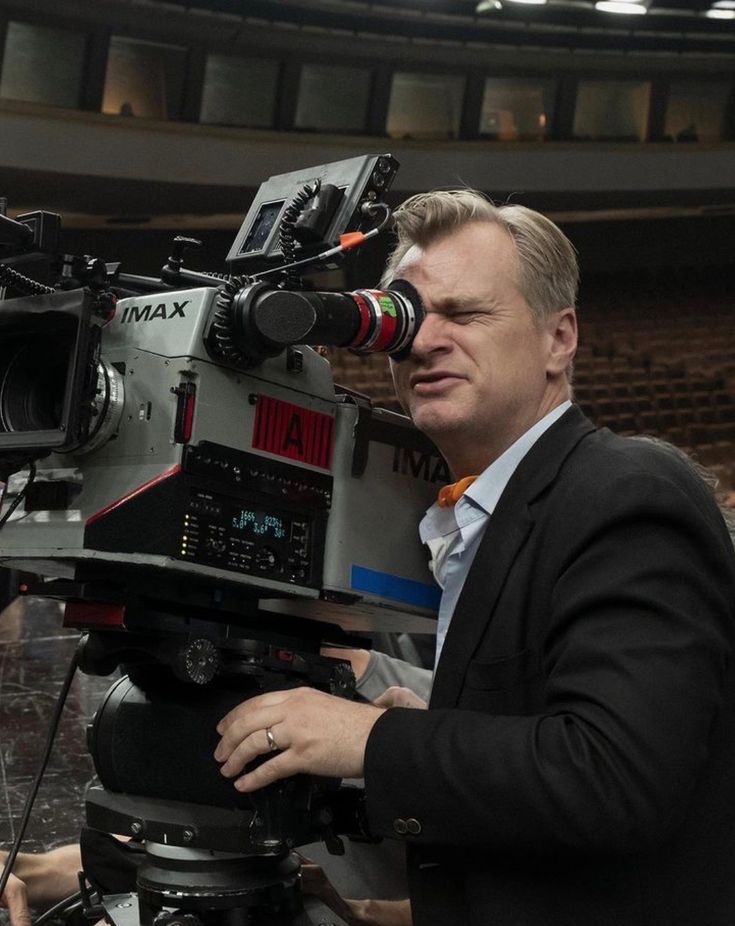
483	495
486	490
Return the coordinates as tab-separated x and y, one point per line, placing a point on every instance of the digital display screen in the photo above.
259	524
262	226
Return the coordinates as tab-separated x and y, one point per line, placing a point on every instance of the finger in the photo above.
250	748
387	698
395	696
247	726
16	898
249	707
313	878
304	859
411	699
282	765
399	697
20	915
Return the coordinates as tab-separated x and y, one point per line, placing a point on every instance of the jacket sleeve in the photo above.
636	656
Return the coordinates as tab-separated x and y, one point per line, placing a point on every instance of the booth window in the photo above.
42	65
332	98
144	79
239	91
425	105
612	110
696	110
517	108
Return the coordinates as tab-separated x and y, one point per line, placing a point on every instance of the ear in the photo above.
562	331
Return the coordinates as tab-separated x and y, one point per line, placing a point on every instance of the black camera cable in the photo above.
36	784
18	498
63	908
287	231
25	285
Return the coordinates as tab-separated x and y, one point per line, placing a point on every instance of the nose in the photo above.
431	336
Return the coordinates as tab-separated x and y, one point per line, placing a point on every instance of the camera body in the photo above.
191	434
266	478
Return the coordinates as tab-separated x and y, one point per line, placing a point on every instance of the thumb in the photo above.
16	900
399	697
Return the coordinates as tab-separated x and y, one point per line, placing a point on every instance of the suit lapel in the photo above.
506	532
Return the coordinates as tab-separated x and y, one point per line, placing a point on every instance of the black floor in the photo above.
35	652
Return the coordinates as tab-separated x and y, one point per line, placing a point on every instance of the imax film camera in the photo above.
184	475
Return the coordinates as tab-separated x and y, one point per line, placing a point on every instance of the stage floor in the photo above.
35	652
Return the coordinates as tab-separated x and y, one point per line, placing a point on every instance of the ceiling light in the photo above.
719	13
621	6
490	6
530	2
724	4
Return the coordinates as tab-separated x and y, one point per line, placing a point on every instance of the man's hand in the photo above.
354	912
396	696
40	880
312	732
15	899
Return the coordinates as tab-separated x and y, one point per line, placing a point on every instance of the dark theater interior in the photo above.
137	121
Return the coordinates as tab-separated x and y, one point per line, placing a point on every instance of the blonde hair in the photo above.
548	269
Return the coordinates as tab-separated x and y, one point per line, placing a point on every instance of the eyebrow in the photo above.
453	303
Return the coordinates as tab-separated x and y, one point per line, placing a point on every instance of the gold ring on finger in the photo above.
272	744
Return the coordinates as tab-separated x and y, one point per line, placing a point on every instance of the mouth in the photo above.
433	383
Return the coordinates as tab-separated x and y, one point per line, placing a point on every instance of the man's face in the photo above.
481	371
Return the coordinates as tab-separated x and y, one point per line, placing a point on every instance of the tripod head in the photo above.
209	849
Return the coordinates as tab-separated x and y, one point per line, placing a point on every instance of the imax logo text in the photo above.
419	465
146	313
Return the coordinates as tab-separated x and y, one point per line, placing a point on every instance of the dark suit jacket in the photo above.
577	762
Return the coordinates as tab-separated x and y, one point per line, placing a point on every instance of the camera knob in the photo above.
267	558
197	662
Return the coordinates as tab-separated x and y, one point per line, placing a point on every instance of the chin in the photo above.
435	422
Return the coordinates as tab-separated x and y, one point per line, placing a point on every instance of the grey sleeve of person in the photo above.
385	671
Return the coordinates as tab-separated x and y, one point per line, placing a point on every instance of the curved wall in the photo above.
71	142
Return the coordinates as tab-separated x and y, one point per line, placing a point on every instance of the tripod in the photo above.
212	856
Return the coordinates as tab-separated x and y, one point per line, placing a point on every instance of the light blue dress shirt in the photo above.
453	534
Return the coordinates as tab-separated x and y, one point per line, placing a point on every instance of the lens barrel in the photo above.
389	319
264	321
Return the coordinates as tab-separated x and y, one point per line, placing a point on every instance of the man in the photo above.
576	764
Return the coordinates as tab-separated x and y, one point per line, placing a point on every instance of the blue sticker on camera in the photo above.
422	594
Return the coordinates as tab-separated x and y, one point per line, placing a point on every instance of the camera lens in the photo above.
33	387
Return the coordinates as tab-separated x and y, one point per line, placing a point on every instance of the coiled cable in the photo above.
286	237
25	285
222	324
